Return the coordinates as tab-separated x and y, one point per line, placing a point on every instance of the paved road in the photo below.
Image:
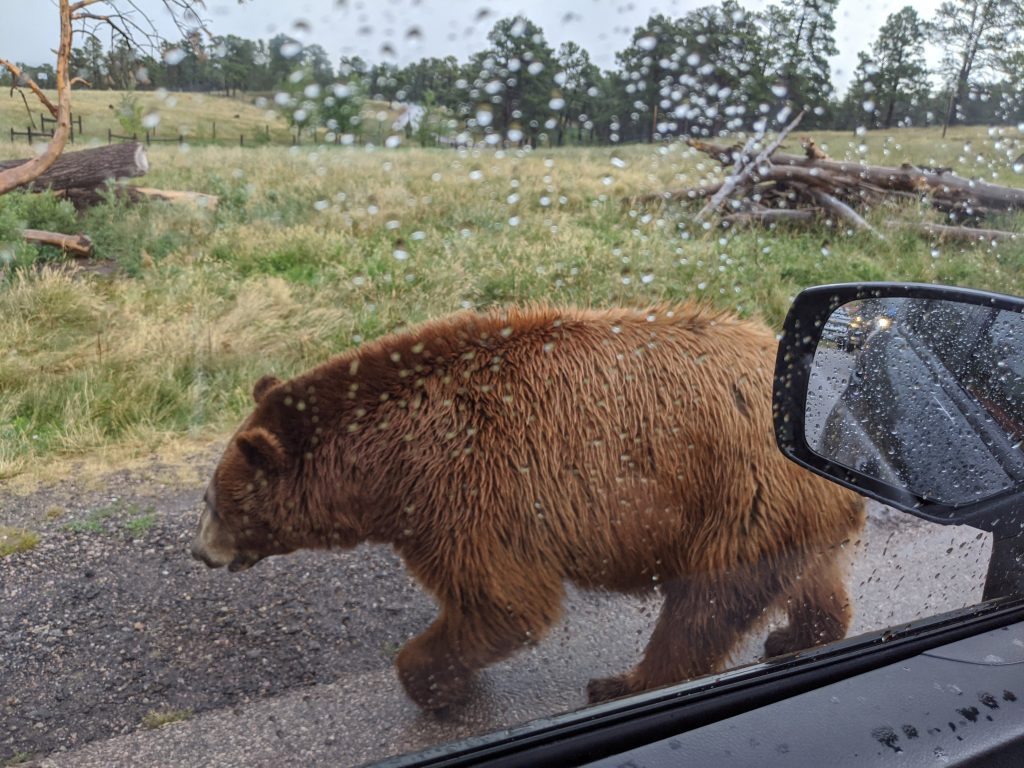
830	376
290	663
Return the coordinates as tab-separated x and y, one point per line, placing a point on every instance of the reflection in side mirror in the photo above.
923	394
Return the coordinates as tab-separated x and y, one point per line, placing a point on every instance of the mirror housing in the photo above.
804	327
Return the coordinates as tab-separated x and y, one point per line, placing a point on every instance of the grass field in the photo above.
314	250
200	118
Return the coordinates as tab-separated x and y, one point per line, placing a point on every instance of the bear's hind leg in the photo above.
818	609
437	667
701	620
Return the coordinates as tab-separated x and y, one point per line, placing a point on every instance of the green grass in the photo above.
135	520
137	526
313	251
14	540
160	718
94	520
190	114
199	118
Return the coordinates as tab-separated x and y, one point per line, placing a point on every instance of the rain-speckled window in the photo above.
444	334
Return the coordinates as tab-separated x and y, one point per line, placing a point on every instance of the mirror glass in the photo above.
923	394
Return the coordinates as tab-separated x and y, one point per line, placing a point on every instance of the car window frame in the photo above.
607	729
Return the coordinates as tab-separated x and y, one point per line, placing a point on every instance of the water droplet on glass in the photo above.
174	56
557	104
400	254
393	141
291	49
535	68
647	43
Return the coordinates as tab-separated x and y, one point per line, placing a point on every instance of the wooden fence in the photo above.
44	133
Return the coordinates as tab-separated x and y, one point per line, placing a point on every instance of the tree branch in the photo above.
26	172
841	209
744	171
15	70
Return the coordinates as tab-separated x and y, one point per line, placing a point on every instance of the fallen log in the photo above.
199	199
972	234
86	198
77	245
840	209
769	216
89	167
939	183
690	193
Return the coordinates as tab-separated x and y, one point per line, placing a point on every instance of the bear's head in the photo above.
253	509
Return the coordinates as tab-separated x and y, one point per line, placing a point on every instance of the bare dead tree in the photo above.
126	21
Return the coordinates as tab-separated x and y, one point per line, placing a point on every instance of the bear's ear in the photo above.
261	448
264	385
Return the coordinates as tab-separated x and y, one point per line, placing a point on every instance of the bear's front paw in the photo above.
433	686
606	688
782	642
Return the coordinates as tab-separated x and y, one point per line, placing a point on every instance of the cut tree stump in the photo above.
90	167
77	245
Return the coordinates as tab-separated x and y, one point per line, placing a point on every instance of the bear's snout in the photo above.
199	554
208	547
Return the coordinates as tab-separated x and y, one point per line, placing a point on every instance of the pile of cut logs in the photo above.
771	187
86	177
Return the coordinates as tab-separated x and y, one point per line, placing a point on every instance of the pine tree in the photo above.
891	80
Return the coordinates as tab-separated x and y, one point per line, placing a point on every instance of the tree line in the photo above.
716	68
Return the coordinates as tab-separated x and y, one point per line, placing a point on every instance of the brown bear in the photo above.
505	453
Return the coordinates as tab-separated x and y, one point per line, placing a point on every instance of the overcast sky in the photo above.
417	28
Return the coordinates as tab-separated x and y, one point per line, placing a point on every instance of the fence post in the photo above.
268	131
241	140
30	135
214	130
147	136
181	138
110	136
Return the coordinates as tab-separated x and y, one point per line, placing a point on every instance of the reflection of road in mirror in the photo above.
830	376
886	372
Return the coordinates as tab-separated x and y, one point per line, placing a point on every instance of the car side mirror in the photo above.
910	394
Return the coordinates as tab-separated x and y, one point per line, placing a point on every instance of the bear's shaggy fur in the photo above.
504	454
